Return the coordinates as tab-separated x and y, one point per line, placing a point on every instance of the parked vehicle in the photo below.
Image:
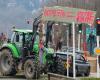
82	66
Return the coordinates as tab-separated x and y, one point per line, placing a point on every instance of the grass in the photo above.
90	78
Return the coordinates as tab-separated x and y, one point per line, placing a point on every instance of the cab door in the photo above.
18	42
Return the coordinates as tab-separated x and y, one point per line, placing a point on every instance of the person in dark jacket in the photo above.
91	43
59	44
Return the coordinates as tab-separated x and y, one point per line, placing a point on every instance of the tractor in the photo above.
17	52
22	53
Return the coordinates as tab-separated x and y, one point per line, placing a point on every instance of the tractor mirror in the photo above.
17	38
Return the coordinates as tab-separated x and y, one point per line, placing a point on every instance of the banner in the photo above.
66	14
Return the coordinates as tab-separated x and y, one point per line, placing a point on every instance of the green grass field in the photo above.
90	78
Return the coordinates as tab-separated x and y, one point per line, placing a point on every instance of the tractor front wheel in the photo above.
7	67
30	69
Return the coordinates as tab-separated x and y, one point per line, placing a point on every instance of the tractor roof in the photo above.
22	30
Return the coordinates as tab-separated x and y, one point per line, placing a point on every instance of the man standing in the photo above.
59	44
91	43
1	39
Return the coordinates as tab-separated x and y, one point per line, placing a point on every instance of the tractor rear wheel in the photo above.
31	70
7	67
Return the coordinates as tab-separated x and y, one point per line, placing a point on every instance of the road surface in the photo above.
20	77
43	77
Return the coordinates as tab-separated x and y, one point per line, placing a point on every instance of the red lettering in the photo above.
80	16
60	13
90	16
49	13
85	17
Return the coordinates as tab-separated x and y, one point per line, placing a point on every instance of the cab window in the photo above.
18	40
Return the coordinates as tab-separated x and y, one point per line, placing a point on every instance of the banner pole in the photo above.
79	42
97	58
74	71
67	53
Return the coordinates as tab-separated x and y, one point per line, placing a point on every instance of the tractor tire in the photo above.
31	70
7	67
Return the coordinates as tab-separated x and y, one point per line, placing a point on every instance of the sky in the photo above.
16	13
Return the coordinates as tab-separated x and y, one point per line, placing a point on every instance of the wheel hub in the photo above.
30	69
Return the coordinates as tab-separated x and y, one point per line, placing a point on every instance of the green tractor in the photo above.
22	53
16	52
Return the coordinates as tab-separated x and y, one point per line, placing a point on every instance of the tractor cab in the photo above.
21	37
22	40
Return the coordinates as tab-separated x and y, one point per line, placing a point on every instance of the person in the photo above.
41	51
49	32
4	38
41	33
1	38
59	44
91	43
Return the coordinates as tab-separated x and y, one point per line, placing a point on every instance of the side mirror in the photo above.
17	38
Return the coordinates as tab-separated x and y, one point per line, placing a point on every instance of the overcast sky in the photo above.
16	13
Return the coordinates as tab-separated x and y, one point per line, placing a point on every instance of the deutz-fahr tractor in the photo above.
22	53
